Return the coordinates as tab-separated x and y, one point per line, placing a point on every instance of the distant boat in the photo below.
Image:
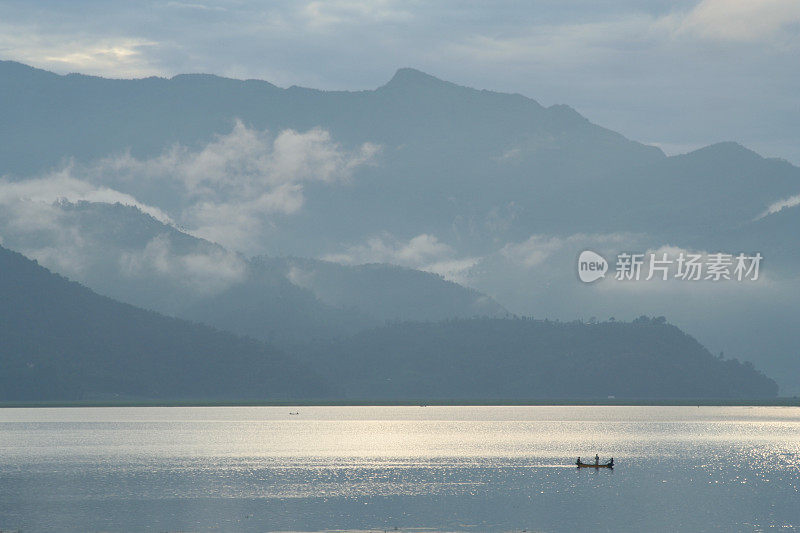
580	464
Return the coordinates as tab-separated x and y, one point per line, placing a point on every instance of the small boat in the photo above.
580	464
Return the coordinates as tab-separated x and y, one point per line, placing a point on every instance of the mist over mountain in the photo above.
61	341
386	292
123	253
492	191
465	162
359	175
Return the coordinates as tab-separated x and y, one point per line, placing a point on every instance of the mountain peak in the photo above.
727	149
410	77
14	69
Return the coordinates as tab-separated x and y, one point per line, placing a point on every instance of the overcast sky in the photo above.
679	74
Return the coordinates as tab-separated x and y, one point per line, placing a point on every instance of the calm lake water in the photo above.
411	468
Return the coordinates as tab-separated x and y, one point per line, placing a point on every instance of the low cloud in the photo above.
40	231
780	205
423	252
741	20
538	249
538	276
415	252
229	191
62	186
203	271
84	244
242	163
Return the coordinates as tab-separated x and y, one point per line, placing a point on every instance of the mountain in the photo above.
523	359
385	292
494	189
130	256
455	157
475	168
148	114
61	341
693	197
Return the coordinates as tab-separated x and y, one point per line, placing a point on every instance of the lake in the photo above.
412	468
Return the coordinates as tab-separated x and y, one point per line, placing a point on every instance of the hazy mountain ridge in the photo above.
501	188
699	195
484	359
468	153
386	292
490	167
130	256
440	140
60	341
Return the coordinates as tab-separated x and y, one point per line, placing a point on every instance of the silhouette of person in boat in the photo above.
596	462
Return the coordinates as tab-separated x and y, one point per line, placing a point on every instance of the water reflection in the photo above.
448	468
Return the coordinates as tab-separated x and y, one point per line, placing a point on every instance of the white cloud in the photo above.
334	13
241	223
572	44
533	251
54	236
230	188
32	217
111	56
206	272
419	250
457	270
38	230
301	278
538	249
549	256
227	191
61	185
243	162
423	252
68	260
741	20
780	205
314	156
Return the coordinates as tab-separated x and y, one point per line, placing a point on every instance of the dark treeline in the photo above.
487	358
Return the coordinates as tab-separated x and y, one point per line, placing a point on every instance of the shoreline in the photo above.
619	402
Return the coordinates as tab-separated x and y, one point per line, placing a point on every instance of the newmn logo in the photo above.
591	266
